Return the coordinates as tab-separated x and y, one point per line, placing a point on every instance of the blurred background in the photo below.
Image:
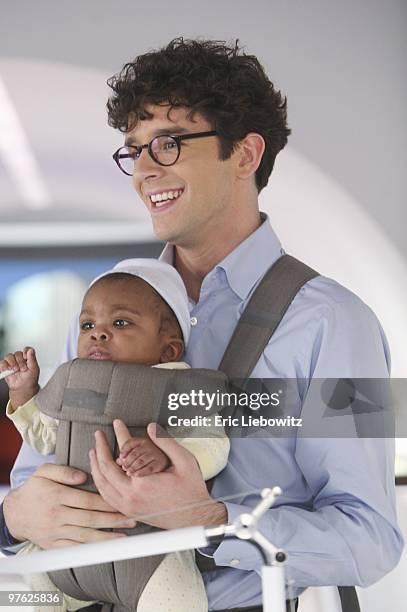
336	196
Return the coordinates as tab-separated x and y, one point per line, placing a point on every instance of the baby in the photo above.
136	313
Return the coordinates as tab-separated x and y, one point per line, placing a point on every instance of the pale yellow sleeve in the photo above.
36	428
211	453
173	365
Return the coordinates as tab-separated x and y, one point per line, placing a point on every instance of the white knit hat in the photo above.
165	280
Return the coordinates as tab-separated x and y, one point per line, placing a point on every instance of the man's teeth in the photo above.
159	198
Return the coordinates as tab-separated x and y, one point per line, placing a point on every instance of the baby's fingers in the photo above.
9	366
135	460
29	355
21	362
16	361
131	445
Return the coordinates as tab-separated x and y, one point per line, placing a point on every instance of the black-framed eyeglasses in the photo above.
164	149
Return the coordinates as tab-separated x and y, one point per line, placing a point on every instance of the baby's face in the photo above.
119	321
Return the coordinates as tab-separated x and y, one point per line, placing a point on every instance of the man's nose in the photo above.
146	168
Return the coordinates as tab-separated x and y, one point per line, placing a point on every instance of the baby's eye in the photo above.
86	325
120	323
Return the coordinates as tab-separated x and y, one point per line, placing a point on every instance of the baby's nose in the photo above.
101	333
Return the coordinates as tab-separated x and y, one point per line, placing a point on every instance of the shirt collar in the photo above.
167	254
248	262
251	259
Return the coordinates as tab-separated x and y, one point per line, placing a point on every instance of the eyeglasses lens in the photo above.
164	149
127	158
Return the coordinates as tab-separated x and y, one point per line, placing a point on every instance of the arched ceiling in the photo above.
342	66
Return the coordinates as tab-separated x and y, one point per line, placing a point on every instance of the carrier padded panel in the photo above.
87	395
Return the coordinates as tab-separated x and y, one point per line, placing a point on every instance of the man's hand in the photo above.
177	497
140	456
48	512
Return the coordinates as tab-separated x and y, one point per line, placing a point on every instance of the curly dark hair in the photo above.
227	87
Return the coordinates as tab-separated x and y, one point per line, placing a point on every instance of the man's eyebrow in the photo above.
170	130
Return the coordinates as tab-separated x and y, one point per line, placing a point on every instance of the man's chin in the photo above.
165	234
181	237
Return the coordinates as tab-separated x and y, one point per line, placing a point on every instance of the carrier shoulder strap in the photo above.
260	319
262	315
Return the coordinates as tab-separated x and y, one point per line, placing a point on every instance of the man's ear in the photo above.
250	152
172	350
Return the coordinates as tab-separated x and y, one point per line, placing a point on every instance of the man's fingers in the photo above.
104	470
98	520
179	456
147	470
82	535
93	535
76	498
61	473
104	460
63	543
122	433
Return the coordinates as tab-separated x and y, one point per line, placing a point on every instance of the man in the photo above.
202	125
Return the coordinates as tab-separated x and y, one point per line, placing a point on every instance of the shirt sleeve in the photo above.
348	532
210	453
28	460
36	428
8	544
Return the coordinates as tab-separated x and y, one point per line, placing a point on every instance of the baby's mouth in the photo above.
99	355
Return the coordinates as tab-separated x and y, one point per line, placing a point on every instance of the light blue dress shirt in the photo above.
336	517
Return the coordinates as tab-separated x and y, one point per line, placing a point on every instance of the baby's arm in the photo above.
209	445
210	453
140	457
36	428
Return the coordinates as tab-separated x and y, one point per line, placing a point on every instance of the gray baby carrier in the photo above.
85	396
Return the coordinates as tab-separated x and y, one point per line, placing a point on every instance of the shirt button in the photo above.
194	321
234	562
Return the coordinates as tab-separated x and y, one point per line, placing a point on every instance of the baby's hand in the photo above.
140	457
23	383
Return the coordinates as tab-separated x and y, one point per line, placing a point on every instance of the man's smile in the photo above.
164	199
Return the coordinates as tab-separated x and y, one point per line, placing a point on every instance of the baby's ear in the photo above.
172	351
